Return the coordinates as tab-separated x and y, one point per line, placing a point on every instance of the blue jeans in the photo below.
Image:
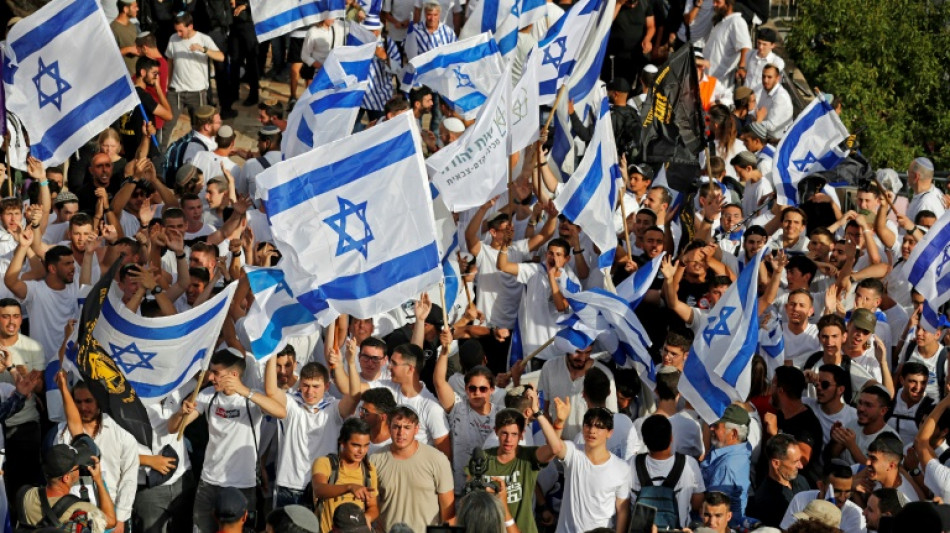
287	497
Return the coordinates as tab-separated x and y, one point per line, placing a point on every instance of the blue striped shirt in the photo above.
420	41
381	87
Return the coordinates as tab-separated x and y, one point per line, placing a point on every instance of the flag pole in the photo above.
147	121
623	213
193	398
445	313
539	349
709	164
331	340
557	100
468	292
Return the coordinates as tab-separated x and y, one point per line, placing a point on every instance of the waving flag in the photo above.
578	37
328	109
356	35
474	168
811	145
524	106
772	345
635	287
590	196
499	18
463	73
717	370
353	220
65	98
273	18
928	268
275	314
531	11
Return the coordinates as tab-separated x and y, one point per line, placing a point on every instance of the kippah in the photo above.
205	112
269	130
924	163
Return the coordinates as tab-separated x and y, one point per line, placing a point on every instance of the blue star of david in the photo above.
282	286
944	259
721	327
514	10
338	223
51	71
550	58
462	79
144	358
802	164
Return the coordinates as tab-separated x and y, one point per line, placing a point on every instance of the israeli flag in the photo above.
717	370
498	17
448	237
273	18
772	344
928	268
275	314
463	73
577	38
357	35
811	145
63	97
158	355
331	104
635	287
353	220
531	11
590	196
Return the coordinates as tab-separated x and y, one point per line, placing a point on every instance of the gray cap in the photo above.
924	163
758	129
303	518
744	158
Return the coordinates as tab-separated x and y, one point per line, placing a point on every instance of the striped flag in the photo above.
273	18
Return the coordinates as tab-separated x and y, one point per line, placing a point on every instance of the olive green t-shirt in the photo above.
520	475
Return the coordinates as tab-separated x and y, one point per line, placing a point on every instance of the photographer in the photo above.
40	506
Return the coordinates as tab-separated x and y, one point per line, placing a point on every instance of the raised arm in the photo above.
474	229
272	389
421	309
552	432
668	269
779	261
442	388
12	277
349	401
73	420
504	265
547	230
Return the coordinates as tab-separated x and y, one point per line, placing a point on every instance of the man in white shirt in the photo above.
762	55
397	14
187	53
563	377
851	442
936	474
775	105
321	38
757	188
920	177
727	44
830	385
834	486
429	33
268	146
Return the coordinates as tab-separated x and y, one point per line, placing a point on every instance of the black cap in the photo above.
349	518
60	460
230	505
435	316
620	85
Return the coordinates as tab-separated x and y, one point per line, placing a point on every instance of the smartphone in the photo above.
642	519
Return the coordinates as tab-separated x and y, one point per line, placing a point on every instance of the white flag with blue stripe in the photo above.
928	267
356	35
635	287
353	220
63	94
329	108
589	198
772	344
809	146
463	73
717	370
158	355
574	40
474	168
498	17
275	313
273	18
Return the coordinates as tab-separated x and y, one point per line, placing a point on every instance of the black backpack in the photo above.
334	475
662	496
175	155
79	522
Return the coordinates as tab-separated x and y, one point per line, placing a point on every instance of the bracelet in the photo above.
236	254
250	394
44	183
503	252
510	522
180	257
579	251
707	221
868	231
34	226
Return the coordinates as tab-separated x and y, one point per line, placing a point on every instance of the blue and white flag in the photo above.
273	18
635	287
717	370
590	196
328	110
158	355
574	42
531	11
356	35
474	168
65	97
811	145
599	315
353	220
772	344
500	18
463	73
275	313
928	267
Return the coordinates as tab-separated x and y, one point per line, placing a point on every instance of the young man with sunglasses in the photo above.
832	382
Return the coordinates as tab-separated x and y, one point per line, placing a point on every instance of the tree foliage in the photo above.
889	63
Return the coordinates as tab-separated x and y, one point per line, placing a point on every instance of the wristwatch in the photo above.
157	290
538	414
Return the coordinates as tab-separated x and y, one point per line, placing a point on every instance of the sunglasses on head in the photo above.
476	388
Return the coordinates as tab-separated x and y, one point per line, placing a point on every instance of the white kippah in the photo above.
924	163
454	125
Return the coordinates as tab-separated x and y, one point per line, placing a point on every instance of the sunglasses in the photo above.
824	384
475	388
371	358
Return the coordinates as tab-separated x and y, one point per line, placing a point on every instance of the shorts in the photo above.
307	72
293	51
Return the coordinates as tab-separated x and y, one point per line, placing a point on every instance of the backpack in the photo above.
175	155
334	475
78	522
662	496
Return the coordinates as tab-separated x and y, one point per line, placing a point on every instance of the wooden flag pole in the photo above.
468	292
192	398
626	232
445	312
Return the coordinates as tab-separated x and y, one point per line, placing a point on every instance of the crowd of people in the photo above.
418	417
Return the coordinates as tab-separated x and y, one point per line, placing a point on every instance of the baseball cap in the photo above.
230	505
60	460
735	414
435	316
744	158
642	170
821	510
349	518
186	173
303	518
864	319
620	85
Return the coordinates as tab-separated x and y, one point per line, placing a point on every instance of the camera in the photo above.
86	449
477	466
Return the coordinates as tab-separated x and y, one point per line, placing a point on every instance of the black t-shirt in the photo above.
129	125
771	500
628	29
806	428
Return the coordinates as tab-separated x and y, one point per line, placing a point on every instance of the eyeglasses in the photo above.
372	358
824	384
475	388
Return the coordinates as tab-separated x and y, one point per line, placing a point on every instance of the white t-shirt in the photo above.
754	192
50	310
619	439
852	516
159	414
848	416
309	433
933	389
555	382
231	456
29	353
902	419
189	68
432	422
400	10
591	491
687	435
798	346
690	482
537	315
724	47
499	294
862	440
937	479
